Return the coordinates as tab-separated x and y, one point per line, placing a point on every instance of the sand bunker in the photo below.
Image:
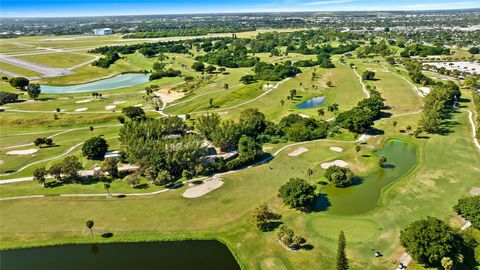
138	105
337	162
424	90
110	107
84	101
168	95
81	109
336	149
304	115
475	191
297	152
118	102
203	189
22	152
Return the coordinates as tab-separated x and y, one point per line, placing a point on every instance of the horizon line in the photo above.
244	12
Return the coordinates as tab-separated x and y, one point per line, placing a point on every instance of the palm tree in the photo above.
309	173
394	125
225	86
89	225
321	112
282	102
210	102
358	148
91	129
106	186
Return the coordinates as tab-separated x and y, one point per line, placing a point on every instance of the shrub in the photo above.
95	148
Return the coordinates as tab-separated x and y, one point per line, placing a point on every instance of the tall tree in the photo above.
89	225
40	174
106	186
342	261
33	90
110	166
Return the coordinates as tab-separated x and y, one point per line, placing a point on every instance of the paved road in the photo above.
44	70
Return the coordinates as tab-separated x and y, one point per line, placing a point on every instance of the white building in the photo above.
102	31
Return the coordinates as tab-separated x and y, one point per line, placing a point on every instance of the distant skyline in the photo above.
68	8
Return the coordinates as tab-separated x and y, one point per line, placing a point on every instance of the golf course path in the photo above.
474	129
364	88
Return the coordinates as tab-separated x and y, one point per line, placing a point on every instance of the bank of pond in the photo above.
364	194
178	255
116	82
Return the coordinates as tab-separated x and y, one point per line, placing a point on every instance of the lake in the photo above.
119	81
174	255
363	197
313	102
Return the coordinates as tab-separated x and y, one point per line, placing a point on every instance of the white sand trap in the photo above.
84	101
138	105
81	109
337	162
297	152
22	152
118	102
424	90
304	115
202	189
168	95
336	149
110	107
475	191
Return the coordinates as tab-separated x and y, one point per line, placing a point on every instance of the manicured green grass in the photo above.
430	189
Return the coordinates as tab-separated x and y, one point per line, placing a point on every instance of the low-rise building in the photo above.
102	31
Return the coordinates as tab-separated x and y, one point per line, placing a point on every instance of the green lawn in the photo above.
60	60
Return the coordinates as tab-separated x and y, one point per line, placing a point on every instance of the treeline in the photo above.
275	72
438	105
423	50
147	49
105	62
229	57
159	72
187	32
361	117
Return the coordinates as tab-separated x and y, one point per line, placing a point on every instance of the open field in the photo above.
150	213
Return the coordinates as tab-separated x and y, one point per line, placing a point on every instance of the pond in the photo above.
119	81
363	197
313	102
176	255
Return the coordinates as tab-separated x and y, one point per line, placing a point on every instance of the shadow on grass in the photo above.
322	203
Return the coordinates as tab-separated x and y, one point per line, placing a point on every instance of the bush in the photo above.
288	237
95	148
429	240
19	82
297	193
340	177
134	113
164	178
469	208
7	97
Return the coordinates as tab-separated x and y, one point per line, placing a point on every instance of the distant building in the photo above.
102	31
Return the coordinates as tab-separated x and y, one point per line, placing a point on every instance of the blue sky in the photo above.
63	8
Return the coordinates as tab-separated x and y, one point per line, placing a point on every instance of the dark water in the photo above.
313	102
364	196
175	255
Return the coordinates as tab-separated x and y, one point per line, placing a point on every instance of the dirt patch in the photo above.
22	152
168	96
297	152
474	191
337	162
81	109
203	189
336	149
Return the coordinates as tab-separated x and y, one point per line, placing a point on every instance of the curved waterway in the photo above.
365	194
178	255
311	103
119	81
